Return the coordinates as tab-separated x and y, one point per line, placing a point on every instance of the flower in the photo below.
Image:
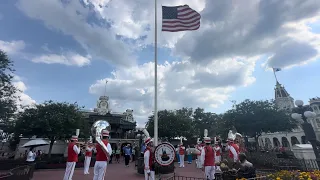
292	175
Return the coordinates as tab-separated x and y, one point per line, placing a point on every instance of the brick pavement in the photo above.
114	172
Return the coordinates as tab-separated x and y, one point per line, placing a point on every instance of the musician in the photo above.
182	150
207	159
148	160
87	157
73	151
232	147
100	165
217	150
199	148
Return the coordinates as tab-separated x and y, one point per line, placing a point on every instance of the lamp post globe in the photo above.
302	115
309	114
298	103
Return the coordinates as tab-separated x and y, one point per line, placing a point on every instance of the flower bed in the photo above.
293	175
290	175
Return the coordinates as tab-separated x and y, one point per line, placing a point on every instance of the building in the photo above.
287	139
123	129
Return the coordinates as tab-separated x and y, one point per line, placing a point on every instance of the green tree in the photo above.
253	117
205	120
172	124
8	97
52	120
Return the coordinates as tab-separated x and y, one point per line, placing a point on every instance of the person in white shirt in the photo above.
31	156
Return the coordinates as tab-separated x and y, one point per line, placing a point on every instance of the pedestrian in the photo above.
31	156
189	155
133	154
118	155
127	154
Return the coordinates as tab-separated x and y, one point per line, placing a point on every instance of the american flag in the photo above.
180	18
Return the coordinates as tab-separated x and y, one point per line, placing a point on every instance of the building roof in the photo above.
280	91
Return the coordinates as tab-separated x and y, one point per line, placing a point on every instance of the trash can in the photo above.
140	165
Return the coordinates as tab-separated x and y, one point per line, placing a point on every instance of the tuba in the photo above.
96	130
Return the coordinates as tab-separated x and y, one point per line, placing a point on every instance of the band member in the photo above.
87	157
199	148
148	160
182	150
232	147
73	151
207	159
217	150
102	157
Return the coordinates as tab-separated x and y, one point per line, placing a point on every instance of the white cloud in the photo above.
70	19
24	100
66	59
12	47
179	85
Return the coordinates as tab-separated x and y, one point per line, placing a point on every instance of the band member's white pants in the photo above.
69	170
149	176
99	171
181	157
217	159
209	172
87	160
198	162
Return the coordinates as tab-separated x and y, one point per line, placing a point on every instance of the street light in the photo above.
303	113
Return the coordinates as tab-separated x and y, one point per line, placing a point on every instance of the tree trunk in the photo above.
50	148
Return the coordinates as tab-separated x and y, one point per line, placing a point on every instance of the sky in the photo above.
66	50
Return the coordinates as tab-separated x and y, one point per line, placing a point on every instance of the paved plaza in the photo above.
114	171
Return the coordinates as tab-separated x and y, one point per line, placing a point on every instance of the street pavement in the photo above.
115	171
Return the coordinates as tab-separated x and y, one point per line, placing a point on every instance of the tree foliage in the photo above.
183	122
253	117
52	120
248	117
8	97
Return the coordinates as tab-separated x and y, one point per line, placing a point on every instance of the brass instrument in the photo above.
96	130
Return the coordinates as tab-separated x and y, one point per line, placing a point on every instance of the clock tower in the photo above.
283	99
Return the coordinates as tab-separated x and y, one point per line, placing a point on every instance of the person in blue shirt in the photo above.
143	147
127	154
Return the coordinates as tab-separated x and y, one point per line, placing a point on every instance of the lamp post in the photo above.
303	113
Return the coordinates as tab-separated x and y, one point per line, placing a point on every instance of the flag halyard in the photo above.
180	18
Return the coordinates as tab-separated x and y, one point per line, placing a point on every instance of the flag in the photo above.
276	69
180	18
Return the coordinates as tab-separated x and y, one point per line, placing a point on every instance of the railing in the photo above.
22	173
308	164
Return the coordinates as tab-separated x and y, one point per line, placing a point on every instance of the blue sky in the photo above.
65	51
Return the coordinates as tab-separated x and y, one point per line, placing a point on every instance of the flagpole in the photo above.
275	76
155	75
105	88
